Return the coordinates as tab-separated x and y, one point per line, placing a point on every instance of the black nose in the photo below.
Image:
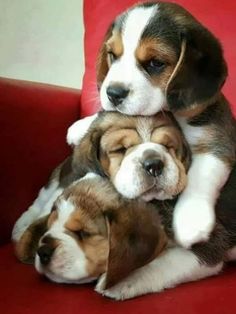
116	94
154	167
45	253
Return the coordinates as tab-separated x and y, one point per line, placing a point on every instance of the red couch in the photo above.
33	122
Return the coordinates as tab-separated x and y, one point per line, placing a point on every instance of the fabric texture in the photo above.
23	291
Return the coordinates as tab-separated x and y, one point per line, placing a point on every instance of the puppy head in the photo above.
143	156
92	231
167	60
75	247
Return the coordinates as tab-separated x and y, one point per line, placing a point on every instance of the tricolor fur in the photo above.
157	56
150	152
128	245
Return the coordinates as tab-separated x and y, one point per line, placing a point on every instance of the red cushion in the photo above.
218	16
33	123
25	292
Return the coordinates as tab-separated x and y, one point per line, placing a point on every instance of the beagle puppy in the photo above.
169	61
72	243
94	233
145	157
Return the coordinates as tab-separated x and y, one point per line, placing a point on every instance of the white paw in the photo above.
77	131
101	284
193	222
125	289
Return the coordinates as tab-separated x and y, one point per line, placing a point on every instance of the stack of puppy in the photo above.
146	201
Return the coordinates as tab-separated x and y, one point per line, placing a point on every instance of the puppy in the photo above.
94	233
169	61
145	157
73	246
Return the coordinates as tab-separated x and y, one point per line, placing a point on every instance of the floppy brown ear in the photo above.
27	246
201	69
86	154
102	59
135	238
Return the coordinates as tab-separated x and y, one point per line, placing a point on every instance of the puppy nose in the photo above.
116	94
154	167
45	253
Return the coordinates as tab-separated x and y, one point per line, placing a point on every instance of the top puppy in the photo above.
157	56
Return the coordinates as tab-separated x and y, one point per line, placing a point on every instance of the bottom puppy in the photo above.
94	233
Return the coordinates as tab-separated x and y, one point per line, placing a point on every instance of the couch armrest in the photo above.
33	122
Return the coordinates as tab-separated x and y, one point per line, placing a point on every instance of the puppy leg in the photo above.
175	266
194	214
78	130
41	207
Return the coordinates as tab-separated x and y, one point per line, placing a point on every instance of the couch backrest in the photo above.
33	122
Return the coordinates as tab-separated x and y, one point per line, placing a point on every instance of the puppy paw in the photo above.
121	291
100	286
77	131
193	222
126	289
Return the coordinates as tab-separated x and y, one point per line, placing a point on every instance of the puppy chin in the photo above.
133	109
62	278
156	194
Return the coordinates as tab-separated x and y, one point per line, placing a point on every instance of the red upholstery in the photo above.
33	122
218	16
23	291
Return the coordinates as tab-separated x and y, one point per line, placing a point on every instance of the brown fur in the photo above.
25	248
111	133
155	48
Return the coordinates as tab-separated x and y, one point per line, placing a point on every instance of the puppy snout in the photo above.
116	94
154	167
45	253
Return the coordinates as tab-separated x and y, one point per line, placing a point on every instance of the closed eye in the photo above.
112	57
119	150
82	234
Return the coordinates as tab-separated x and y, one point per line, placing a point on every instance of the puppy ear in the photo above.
102	66
135	238
200	71
86	154
27	246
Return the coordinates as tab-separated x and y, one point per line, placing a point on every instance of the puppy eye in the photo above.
112	57
54	208
82	235
120	150
154	66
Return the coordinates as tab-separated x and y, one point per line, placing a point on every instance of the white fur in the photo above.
194	214
41	207
193	134
89	175
78	130
68	264
131	180
144	98
176	265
